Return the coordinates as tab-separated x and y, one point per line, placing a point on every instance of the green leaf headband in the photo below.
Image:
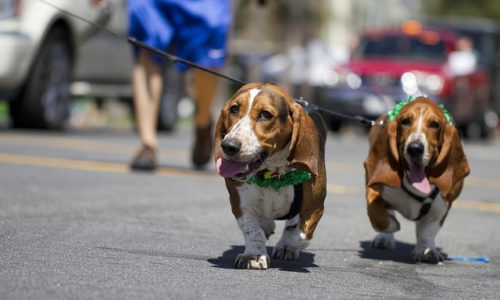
397	108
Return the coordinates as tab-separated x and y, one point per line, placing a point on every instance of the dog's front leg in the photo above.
292	240
380	213
385	240
382	218
425	249
255	255
426	229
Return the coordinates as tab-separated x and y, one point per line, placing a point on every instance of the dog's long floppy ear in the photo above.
220	133
382	165
451	165
305	150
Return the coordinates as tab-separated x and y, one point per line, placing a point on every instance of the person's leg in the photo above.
201	37
147	85
205	87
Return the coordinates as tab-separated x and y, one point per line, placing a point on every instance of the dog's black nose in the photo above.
230	147
415	149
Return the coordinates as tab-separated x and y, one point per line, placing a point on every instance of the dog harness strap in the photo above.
298	195
423	210
426	200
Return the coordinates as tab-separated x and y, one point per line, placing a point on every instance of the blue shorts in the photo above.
194	30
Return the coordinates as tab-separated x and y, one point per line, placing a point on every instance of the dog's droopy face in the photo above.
254	129
421	126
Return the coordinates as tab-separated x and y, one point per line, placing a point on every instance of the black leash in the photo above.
356	118
176	59
303	102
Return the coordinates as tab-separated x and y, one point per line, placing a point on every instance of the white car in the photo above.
38	49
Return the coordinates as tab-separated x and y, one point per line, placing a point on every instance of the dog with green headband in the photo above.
415	166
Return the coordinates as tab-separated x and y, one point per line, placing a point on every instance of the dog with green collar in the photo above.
270	151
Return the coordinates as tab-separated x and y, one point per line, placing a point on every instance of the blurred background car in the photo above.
392	64
485	37
39	49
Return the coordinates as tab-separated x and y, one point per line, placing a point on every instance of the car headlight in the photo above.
353	80
409	83
416	82
342	77
434	83
9	8
331	78
377	105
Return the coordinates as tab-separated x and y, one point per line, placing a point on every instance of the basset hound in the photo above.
270	150
415	166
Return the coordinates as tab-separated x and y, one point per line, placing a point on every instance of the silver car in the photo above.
39	44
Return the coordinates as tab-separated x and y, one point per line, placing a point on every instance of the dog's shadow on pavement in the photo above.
301	265
401	253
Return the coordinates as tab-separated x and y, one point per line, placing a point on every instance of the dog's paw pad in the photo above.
384	241
252	261
285	253
428	255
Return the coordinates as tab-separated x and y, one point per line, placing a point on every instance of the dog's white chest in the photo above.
266	203
410	207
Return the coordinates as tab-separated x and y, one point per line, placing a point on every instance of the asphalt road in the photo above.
75	223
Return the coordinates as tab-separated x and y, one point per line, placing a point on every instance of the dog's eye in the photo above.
265	115
406	122
434	125
234	109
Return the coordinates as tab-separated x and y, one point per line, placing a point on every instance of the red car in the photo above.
390	65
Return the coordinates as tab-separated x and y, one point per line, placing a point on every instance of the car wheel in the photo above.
473	131
173	91
482	127
45	99
335	125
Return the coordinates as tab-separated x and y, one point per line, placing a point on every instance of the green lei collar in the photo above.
276	180
397	108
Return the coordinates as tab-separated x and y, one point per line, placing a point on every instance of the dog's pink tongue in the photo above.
418	179
228	168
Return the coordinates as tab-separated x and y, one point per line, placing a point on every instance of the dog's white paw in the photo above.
252	261
428	255
384	241
285	252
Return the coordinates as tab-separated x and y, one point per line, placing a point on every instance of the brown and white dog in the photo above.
271	153
416	166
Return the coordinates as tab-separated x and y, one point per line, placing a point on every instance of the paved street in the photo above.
75	223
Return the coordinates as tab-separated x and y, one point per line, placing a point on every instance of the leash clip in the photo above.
302	102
